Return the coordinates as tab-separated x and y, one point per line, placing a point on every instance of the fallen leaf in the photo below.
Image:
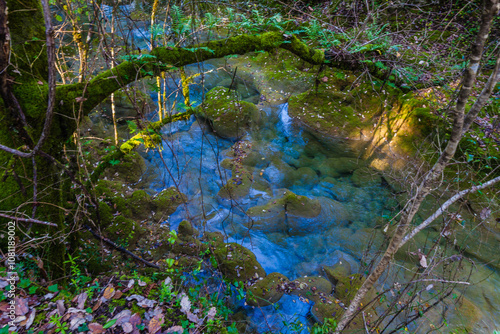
194	318
61	309
31	318
118	294
185	304
123	317
82	298
21	306
141	283
96	328
485	213
211	313
127	327
155	323
109	292
175	329
76	322
97	305
80	99
423	261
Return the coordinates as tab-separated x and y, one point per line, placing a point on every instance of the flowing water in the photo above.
283	157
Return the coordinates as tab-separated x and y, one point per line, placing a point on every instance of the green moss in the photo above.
125	231
267	291
238	263
186	229
229	117
129	169
168	200
347	286
293	204
141	204
238	185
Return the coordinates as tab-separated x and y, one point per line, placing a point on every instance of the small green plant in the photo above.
172	237
166	292
60	327
327	327
77	278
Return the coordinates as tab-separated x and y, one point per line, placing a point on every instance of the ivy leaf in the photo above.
53	288
24	283
114	162
32	289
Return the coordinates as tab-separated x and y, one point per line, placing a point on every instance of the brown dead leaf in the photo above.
21	306
31	318
135	319
97	305
96	328
118	294
155	323
61	309
82	298
175	329
109	292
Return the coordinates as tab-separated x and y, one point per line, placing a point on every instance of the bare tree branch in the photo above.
27	220
446	205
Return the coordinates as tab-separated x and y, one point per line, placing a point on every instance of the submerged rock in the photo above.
364	177
290	203
238	185
334	167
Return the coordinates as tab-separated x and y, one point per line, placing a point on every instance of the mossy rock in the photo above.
129	169
299	206
238	263
125	231
338	270
325	309
334	167
330	308
347	287
305	176
186	229
227	164
168	200
267	291
189	246
238	185
228	116
364	177
308	287
213	238
141	204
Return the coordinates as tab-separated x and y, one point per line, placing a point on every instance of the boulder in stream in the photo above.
228	115
267	291
238	263
290	203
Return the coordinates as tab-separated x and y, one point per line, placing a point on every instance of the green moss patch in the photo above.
228	116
